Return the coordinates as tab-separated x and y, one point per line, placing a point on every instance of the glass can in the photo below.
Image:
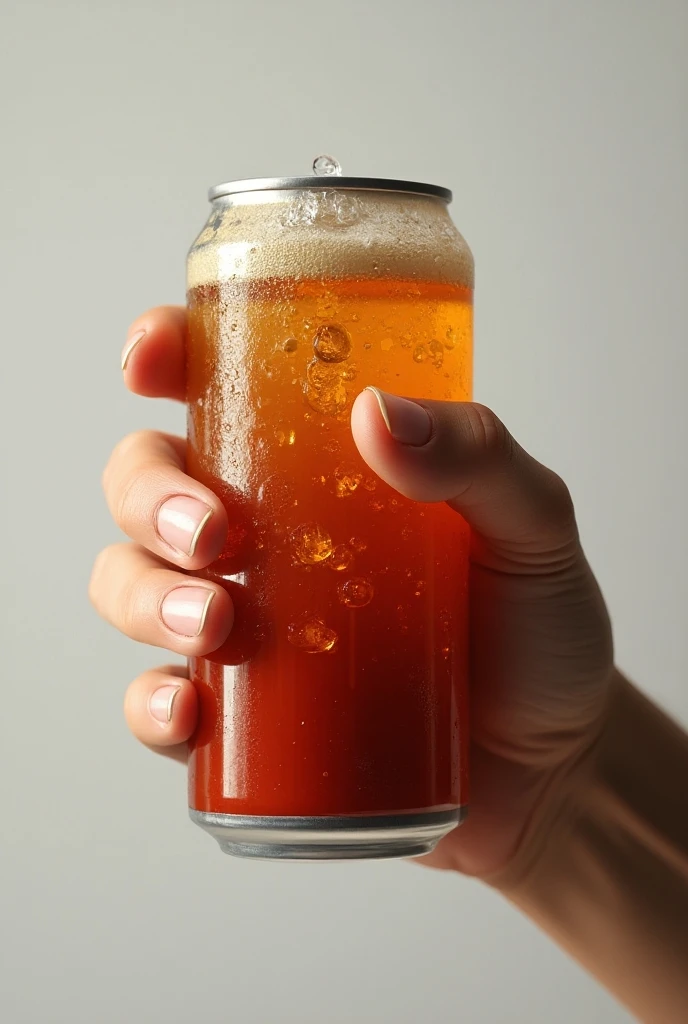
333	722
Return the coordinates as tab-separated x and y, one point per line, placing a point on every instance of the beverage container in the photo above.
333	721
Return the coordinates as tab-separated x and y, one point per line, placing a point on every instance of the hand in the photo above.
541	639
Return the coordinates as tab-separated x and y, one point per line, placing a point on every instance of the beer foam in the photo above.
329	233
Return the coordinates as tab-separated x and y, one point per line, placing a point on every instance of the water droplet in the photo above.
322	375
347	478
325	165
357	544
330	401
311	635
420	354
436	353
356	592
332	343
290	345
341	558
311	543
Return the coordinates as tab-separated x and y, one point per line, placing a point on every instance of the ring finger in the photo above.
142	597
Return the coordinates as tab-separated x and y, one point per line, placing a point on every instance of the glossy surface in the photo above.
342	689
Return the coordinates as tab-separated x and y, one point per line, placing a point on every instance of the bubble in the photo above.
303	209
290	345
291	437
330	401
436	353
370	483
367	346
322	375
393	504
325	166
349	372
420	354
311	635
450	339
311	543
357	544
325	775
356	592
341	558
280	437
377	506
420	588
347	478
332	343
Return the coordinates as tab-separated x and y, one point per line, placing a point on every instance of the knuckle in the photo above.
561	500
136	596
487	432
99	574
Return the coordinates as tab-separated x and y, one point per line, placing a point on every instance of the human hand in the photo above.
541	640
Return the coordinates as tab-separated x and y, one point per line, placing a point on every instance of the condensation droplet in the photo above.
290	345
326	166
311	543
347	478
341	558
311	635
356	592
332	343
420	354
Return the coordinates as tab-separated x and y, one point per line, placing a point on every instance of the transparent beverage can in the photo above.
333	722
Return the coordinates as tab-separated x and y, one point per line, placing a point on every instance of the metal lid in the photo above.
330	182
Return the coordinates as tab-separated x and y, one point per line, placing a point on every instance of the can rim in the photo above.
329	183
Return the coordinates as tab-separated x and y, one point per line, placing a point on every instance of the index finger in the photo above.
153	357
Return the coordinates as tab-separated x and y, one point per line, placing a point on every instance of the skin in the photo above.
542	663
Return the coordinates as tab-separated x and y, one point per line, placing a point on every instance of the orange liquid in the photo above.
342	689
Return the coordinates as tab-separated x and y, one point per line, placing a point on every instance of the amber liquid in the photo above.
342	689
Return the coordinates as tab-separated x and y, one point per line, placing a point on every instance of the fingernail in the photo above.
181	521
406	421
130	346
185	610
161	703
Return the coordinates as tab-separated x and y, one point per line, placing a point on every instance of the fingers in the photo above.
161	709
143	598
153	357
461	453
156	504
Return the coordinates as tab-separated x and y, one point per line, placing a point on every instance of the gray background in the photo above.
561	128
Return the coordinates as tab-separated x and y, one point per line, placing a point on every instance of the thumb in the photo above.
461	453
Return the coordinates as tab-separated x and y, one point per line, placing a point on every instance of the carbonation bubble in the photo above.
377	506
311	635
325	166
330	401
341	558
420	354
349	372
311	543
347	478
370	483
436	353
322	375
356	592
290	345
332	343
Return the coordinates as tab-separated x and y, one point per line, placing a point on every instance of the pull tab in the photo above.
325	166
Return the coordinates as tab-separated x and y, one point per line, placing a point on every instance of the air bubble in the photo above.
347	479
330	401
420	354
356	592
370	483
377	506
436	353
332	343
290	345
311	635
326	166
341	558
357	544
322	375
311	543
349	372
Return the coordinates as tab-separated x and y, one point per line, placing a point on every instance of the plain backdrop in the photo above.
562	129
